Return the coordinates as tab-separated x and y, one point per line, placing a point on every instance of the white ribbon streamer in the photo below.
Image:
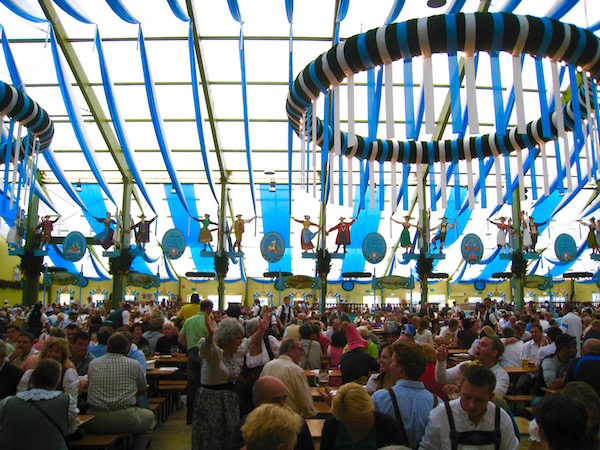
470	182
588	121
314	147
520	173
471	95
419	158
351	138
560	123
443	180
496	154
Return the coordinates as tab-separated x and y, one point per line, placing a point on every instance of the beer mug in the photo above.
322	379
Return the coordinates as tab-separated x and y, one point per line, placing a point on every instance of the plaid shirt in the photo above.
114	380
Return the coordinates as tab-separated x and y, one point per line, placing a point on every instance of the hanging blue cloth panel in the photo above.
157	121
170	275
12	66
139	265
395	11
72	8
178	10
91	194
458	279
118	122
189	228
452	213
75	117
289	10
367	222
276	212
497	265
56	256
121	11
595	27
43	197
23	10
198	111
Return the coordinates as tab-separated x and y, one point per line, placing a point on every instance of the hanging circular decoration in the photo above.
479	285
469	33
63	278
173	244
565	248
272	247
142	280
374	248
395	282
348	285
471	248
74	246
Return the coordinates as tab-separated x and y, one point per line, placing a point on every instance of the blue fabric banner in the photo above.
23	10
179	12
121	11
72	8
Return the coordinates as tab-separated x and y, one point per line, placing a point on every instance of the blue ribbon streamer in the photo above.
560	9
395	11
577	128
76	119
289	9
457	197
48	155
198	112
157	121
431	177
342	10
454	74
121	11
246	121
325	154
8	148
12	66
234	9
74	11
23	10
118	122
539	70
179	12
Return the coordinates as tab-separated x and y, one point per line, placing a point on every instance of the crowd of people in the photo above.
247	385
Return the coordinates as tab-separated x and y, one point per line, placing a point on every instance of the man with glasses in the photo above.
287	369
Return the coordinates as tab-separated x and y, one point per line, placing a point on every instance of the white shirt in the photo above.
446	376
437	433
546	350
571	324
512	354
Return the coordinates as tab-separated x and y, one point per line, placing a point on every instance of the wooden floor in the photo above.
173	434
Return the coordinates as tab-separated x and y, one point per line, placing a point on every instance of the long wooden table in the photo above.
314	372
315	426
519	370
84	418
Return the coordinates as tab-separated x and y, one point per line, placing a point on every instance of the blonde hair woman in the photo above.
355	423
58	350
271	427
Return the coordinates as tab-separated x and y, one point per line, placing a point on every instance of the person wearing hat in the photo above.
343	235
488	353
238	230
307	236
142	235
46	226
355	364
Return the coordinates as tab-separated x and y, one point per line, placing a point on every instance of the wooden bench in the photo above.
172	390
315	426
516	401
158	406
323	410
530	411
523	424
95	441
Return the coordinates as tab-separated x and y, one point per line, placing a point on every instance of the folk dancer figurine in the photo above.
118	232
343	235
526	242
591	237
46	226
238	230
405	241
307	236
441	235
105	237
14	238
142	235
205	236
503	228
535	233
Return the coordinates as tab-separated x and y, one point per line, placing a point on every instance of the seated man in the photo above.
312	349
72	329
586	368
562	423
10	375
471	419
103	334
23	350
287	369
114	382
270	390
166	344
80	355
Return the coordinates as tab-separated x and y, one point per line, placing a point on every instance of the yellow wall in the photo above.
7	272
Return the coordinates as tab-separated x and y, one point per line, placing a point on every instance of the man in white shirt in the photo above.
476	420
284	314
489	351
571	324
512	350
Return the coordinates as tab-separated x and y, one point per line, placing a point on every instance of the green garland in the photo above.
4	284
424	266
323	262
120	264
31	266
221	264
519	265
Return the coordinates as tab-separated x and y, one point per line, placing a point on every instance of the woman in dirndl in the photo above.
217	407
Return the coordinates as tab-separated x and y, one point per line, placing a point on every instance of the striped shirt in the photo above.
114	380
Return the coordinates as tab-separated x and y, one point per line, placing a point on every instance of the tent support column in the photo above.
31	280
519	281
120	278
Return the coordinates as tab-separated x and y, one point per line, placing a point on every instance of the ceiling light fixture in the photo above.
436	3
173	191
78	186
273	187
269	172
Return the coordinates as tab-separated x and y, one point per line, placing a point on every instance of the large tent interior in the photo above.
180	107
